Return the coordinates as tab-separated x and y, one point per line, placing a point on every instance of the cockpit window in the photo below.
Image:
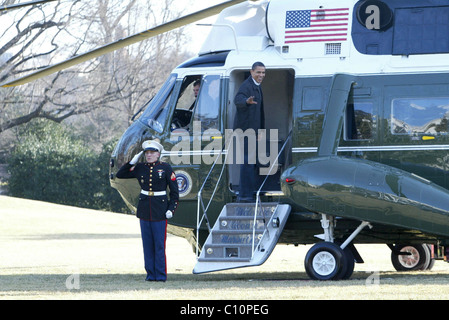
156	111
199	101
186	102
208	105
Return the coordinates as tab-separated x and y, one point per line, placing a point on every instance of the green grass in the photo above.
42	246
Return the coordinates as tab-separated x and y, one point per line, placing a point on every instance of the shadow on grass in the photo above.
135	282
80	236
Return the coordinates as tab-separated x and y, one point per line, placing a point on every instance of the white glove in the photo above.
169	214
135	158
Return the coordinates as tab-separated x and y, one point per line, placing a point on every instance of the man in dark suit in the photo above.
250	115
154	207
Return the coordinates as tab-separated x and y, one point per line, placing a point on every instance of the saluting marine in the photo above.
154	207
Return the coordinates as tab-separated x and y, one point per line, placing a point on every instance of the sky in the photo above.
198	34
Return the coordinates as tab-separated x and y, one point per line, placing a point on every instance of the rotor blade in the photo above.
21	5
125	42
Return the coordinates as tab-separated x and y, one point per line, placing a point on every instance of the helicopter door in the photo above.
208	141
206	115
196	130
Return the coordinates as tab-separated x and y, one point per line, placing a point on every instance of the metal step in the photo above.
218	252
230	243
241	223
247	209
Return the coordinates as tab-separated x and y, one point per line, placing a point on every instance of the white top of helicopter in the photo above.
265	31
294	34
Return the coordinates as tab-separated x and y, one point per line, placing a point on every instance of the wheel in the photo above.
427	257
349	260
350	263
415	260
325	261
432	260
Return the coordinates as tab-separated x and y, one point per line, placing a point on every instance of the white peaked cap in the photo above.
152	146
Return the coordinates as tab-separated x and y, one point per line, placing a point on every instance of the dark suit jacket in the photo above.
249	115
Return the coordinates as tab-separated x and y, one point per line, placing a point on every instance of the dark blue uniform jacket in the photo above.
153	177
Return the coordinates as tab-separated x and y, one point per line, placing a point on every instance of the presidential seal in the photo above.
184	183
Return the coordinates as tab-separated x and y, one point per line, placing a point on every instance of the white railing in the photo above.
203	208
200	204
258	198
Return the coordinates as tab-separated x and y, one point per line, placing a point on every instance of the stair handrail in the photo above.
258	196
200	203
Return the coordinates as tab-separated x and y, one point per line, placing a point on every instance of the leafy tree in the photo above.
51	164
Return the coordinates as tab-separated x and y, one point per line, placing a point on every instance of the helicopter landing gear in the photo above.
329	261
325	261
411	257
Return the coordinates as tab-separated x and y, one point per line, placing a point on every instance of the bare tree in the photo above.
103	93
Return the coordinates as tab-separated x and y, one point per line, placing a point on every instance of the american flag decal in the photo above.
323	25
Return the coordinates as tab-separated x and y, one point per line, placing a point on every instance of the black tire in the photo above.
432	260
415	261
350	263
325	261
427	258
349	260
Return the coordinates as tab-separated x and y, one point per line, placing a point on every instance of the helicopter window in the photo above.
208	105
186	102
420	115
359	121
156	112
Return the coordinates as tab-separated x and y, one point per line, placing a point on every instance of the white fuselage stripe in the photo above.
379	148
315	149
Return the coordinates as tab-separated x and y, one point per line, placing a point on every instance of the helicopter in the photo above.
357	133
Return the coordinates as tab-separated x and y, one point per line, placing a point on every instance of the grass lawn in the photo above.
51	251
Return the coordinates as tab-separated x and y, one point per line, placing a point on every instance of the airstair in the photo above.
243	235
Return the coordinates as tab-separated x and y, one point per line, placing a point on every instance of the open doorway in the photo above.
277	90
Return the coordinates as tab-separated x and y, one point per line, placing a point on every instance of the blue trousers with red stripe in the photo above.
154	235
